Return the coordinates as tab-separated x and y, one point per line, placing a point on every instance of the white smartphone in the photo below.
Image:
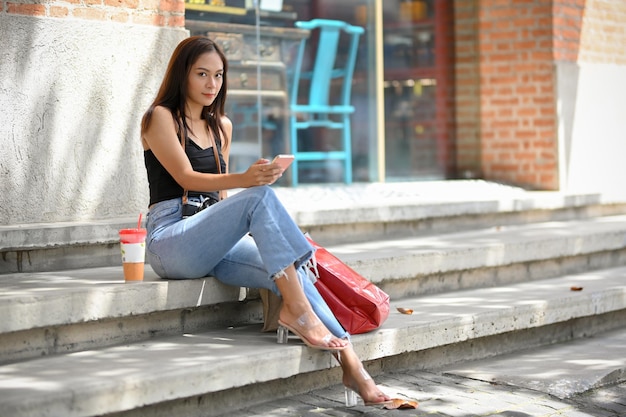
283	161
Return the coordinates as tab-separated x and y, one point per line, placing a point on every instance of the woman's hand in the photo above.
262	172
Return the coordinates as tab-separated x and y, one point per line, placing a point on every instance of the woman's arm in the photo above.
227	124
161	138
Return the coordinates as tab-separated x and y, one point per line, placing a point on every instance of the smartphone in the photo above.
283	161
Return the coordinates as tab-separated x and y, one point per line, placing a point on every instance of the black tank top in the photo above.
162	184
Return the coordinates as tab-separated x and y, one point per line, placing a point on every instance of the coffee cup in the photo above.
133	247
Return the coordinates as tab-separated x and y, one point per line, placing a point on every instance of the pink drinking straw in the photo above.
139	221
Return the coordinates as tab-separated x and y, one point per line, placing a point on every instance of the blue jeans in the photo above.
244	240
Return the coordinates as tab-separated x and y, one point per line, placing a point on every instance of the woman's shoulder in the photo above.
161	125
162	118
226	122
162	111
227	126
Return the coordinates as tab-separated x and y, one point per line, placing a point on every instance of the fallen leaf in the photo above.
405	310
400	404
576	288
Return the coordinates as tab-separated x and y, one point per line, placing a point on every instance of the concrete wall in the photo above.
72	93
592	127
591	95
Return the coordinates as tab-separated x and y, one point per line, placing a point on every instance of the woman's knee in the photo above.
261	192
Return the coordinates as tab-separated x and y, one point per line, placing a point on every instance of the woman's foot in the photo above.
357	379
308	327
366	388
298	316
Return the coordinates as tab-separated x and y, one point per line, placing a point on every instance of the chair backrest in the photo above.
326	66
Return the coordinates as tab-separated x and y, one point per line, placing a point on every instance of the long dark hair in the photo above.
173	91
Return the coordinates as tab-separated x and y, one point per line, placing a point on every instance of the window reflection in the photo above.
417	104
261	48
259	106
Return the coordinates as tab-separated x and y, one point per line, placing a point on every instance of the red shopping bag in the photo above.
359	305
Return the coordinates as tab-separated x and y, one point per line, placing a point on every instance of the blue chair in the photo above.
319	111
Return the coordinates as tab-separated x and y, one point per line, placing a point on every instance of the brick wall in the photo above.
506	53
567	26
603	32
517	99
144	12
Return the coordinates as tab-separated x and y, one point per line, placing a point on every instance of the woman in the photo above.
247	240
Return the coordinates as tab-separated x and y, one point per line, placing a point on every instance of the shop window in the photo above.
265	44
418	89
262	47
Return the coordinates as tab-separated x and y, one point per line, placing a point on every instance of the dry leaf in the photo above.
405	310
400	404
576	288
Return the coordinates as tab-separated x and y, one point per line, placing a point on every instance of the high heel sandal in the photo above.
304	322
351	393
352	397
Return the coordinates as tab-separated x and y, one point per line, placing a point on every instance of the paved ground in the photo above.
576	379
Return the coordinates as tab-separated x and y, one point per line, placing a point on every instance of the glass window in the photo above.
262	41
417	106
262	49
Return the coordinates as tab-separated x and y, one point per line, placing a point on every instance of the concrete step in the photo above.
58	312
74	310
362	212
334	214
570	379
213	372
477	288
57	246
490	256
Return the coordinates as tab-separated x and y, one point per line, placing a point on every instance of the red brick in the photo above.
120	16
126	4
541	55
58	11
26	9
172	5
507	35
526	112
176	21
89	13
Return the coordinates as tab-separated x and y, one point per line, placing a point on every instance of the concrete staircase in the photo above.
486	269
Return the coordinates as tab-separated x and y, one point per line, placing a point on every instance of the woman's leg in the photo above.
193	247
210	243
298	314
320	307
242	267
357	379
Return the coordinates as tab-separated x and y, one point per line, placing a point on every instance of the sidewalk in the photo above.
557	380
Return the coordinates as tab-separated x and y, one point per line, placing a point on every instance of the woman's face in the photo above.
205	80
